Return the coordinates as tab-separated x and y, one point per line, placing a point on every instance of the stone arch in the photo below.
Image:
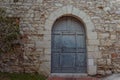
89	26
70	10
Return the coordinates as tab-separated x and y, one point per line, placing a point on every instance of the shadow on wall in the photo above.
113	77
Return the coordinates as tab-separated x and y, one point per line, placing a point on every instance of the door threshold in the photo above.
69	74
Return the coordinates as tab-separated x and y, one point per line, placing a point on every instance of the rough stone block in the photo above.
43	44
40	1
75	11
90	62
90	48
108	61
47	37
47	51
92	70
93	42
94	55
104	35
101	72
47	57
69	9
58	4
92	35
45	68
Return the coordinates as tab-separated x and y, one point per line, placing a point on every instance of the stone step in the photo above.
70	78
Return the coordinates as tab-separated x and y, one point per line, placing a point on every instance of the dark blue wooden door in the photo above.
68	46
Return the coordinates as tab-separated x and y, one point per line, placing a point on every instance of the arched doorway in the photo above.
68	46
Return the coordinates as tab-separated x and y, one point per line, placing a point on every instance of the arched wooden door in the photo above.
68	46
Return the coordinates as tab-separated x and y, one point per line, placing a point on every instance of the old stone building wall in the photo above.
36	16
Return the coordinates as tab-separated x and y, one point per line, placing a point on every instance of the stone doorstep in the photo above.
68	78
75	75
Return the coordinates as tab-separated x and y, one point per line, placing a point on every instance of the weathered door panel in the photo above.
68	46
65	60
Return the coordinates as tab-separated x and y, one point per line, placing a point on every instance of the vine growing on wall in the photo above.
9	33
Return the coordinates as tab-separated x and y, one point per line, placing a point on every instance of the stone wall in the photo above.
33	14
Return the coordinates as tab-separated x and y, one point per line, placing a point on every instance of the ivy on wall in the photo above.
9	32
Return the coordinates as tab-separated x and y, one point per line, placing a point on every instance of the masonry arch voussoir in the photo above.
70	10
